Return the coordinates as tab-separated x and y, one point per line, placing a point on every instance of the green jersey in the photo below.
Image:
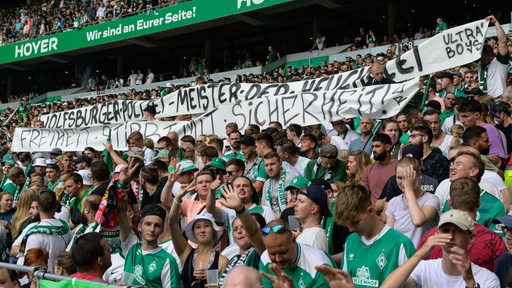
303	271
153	269
369	262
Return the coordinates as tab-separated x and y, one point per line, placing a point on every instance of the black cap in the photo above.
413	151
445	75
247	141
474	91
151	109
83	158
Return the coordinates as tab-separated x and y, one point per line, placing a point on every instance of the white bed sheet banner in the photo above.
308	108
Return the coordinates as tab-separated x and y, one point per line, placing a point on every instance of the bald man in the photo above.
365	141
377	73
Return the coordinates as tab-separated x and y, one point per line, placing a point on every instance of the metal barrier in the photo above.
41	273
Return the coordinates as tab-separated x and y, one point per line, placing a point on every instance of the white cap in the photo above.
86	176
40	162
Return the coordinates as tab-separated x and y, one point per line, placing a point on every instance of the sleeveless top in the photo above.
187	274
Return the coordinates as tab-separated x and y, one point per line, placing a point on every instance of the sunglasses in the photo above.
276	229
506	229
230	173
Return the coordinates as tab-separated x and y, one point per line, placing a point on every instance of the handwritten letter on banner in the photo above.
308	108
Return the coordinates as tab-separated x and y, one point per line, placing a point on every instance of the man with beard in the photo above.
77	192
363	142
439	139
234	140
384	167
435	164
274	194
90	206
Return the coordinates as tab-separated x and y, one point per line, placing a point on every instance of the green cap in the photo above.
299	182
162	154
186	165
7	157
218	163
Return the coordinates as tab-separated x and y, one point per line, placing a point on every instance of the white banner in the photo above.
457	46
193	100
76	139
309	108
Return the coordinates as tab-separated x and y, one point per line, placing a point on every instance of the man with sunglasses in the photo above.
294	259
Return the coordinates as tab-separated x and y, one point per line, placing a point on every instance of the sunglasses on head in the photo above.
276	229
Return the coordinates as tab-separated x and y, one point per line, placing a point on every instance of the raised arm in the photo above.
124	222
400	277
115	156
252	230
166	198
211	199
178	240
502	38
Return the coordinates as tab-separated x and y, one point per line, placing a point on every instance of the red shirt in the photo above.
88	276
484	251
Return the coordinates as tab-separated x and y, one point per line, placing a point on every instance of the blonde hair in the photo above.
27	196
457	130
363	160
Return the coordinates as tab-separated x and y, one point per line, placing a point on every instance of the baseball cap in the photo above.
151	109
504	220
329	151
40	162
319	197
299	182
86	176
413	151
56	151
83	158
457	217
445	75
322	183
186	165
247	141
218	163
474	91
162	154
136	152
53	166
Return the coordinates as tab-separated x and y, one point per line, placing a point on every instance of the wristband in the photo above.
476	285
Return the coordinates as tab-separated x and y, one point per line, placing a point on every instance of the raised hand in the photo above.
281	280
231	199
126	174
335	277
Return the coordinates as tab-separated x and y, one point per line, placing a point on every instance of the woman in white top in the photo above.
414	212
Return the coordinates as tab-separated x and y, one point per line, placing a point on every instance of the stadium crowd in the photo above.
421	198
41	18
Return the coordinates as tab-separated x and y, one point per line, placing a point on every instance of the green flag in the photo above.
106	154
